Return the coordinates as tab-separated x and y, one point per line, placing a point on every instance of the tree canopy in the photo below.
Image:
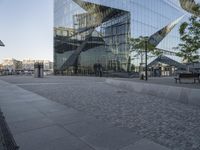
190	40
138	45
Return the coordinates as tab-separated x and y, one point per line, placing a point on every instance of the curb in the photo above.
180	94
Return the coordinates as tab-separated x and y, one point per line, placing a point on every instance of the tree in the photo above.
138	45
190	40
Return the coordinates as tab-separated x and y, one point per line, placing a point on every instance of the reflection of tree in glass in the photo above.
190	40
191	6
138	45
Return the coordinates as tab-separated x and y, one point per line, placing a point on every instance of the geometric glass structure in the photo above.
87	32
168	61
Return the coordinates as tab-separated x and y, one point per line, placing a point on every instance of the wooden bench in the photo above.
194	76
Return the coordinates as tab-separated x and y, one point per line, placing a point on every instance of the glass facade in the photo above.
89	32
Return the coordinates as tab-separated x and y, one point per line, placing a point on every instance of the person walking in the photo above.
100	70
95	69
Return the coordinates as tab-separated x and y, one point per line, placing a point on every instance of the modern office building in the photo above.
89	32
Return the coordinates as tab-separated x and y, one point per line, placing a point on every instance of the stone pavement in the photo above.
38	123
187	83
186	95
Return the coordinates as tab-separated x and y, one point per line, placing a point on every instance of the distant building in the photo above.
48	65
28	64
11	64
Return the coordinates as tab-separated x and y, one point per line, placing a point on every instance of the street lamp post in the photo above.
146	68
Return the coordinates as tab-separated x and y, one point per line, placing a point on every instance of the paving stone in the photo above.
110	139
184	96
21	114
38	137
65	143
161	91
84	128
61	113
174	93
28	125
47	106
145	144
194	97
69	118
13	104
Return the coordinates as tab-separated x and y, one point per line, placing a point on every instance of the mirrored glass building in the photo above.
89	32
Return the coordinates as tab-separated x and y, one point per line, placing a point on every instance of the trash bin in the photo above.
41	70
38	70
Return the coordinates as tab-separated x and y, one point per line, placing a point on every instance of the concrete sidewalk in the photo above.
41	124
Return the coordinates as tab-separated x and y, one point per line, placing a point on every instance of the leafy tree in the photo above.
138	45
190	40
196	9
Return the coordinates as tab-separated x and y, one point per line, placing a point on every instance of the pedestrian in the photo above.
100	70
95	69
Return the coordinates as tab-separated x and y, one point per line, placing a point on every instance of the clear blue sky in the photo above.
26	28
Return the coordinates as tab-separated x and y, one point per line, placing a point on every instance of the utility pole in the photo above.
146	68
